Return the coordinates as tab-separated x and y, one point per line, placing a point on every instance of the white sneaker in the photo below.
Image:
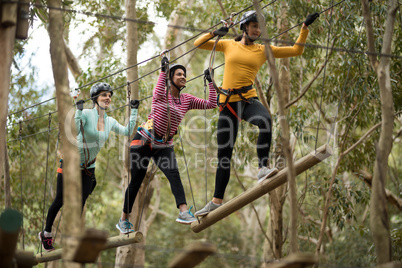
210	206
265	173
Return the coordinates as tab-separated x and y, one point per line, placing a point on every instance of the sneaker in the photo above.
265	173
47	242
208	208
186	217
125	226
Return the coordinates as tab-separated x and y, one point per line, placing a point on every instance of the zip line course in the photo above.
92	249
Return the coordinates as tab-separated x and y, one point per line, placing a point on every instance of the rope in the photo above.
323	80
205	141
184	157
46	171
291	28
22	199
30	119
34	105
27	136
128	144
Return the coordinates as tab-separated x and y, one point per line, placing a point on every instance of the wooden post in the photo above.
261	189
297	260
72	188
90	246
24	259
10	226
8	14
7	40
112	242
22	20
193	255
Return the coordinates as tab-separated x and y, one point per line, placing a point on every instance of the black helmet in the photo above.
99	87
248	17
174	67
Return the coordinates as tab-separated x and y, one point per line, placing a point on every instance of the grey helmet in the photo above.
99	87
248	17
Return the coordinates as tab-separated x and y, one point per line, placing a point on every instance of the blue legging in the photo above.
228	124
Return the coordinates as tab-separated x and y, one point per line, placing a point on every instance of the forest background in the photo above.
343	102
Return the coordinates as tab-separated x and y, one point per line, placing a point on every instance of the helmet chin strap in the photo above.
249	38
180	89
100	106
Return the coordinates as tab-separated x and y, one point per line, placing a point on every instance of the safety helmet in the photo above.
99	87
248	17
174	67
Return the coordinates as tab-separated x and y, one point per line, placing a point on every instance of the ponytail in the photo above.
238	38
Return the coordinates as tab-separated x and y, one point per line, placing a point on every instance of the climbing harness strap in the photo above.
231	92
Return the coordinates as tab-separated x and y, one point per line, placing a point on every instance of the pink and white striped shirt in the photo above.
178	108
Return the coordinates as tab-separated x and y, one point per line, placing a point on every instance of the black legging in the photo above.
253	112
88	184
164	158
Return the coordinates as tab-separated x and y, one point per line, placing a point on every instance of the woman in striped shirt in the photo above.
154	140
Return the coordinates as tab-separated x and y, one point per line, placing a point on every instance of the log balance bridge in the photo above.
261	189
90	245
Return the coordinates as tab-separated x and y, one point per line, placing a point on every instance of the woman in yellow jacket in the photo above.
243	59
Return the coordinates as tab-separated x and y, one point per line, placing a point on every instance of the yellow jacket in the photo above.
242	62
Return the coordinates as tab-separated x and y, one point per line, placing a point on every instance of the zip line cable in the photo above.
22	198
202	31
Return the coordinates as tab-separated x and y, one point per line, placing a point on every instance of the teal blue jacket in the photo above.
96	139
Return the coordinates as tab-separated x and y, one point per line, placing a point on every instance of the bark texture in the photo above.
379	220
71	174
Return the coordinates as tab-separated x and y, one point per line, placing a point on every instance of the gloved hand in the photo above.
164	62
311	18
221	31
80	105
208	75
134	104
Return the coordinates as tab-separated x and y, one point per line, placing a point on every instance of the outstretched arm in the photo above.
125	130
298	48
201	104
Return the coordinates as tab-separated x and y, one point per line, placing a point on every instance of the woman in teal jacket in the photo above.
93	128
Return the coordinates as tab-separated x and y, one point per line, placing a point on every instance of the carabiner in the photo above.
165	53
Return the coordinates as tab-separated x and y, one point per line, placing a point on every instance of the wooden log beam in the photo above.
193	255
112	242
261	189
24	259
90	246
10	226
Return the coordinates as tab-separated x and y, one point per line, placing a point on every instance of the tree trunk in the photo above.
7	37
277	197
7	179
71	174
175	35
128	255
72	62
379	220
285	133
